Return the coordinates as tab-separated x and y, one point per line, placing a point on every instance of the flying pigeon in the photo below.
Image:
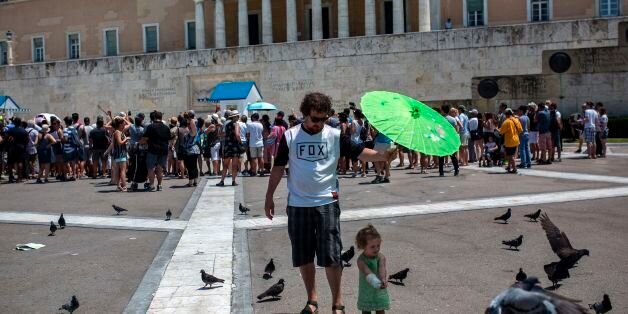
527	297
209	279
269	269
71	306
274	291
603	306
118	209
504	217
514	242
347	255
61	221
534	216
556	272
560	244
53	228
243	209
168	214
401	275
521	276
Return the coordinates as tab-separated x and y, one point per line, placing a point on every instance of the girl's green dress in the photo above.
369	298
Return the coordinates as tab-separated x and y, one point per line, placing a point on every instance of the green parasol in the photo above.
410	123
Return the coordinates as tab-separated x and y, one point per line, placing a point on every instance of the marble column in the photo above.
219	27
267	22
317	20
369	18
243	23
424	16
398	18
291	20
10	52
343	18
199	23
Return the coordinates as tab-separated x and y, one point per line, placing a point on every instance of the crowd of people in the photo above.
131	150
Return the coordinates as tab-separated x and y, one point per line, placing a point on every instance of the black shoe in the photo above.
377	180
456	172
385	180
441	174
221	183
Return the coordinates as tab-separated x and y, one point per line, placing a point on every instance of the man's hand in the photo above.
269	207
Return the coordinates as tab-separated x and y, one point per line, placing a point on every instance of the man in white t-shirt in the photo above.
590	121
312	150
256	142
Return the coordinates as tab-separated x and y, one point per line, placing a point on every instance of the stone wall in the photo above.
434	67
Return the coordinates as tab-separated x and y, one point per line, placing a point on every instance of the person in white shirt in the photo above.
256	142
312	150
245	145
590	121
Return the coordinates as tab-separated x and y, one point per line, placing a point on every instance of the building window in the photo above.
151	37
74	46
4	59
190	35
609	7
110	42
539	10
38	49
475	13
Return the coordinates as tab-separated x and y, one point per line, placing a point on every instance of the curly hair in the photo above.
315	102
364	235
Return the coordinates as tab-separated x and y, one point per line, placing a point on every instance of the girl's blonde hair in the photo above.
364	235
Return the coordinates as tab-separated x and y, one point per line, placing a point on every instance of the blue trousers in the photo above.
524	149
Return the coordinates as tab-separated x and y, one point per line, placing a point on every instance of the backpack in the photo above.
73	137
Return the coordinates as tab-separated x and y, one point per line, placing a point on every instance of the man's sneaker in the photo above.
384	180
221	183
378	179
159	188
456	172
147	186
578	151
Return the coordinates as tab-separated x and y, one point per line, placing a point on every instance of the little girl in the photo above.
372	294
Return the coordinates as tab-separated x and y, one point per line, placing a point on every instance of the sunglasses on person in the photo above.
318	119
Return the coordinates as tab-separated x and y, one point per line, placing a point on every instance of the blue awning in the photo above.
232	91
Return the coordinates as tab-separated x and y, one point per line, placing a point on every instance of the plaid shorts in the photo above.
589	135
315	231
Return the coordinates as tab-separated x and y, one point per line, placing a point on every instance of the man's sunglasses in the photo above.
318	120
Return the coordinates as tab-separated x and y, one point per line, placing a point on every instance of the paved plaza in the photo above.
440	228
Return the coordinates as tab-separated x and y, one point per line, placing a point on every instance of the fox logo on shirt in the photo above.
312	151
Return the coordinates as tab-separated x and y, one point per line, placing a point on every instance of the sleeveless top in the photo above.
119	150
370	298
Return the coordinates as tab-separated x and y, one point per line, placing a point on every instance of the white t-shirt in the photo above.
355	136
242	131
254	129
590	116
473	124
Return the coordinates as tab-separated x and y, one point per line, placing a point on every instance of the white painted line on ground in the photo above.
451	206
206	243
555	174
94	221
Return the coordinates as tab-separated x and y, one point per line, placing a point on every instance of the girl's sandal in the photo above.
340	308
308	310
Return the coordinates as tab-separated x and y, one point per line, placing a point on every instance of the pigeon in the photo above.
401	275
243	209
209	279
534	216
269	269
504	217
71	306
347	255
560	244
514	242
53	228
556	272
528	297
521	276
61	221
168	214
118	209
602	307
274	291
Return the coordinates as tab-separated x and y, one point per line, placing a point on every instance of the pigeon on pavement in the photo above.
118	209
556	272
534	216
71	306
269	269
210	279
560	244
527	297
274	291
346	256
603	306
243	209
521	276
168	214
514	242
53	228
61	222
401	275
504	217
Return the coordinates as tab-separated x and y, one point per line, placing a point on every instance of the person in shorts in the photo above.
312	150
256	143
156	135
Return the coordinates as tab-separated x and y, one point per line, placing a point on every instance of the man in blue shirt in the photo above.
464	135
